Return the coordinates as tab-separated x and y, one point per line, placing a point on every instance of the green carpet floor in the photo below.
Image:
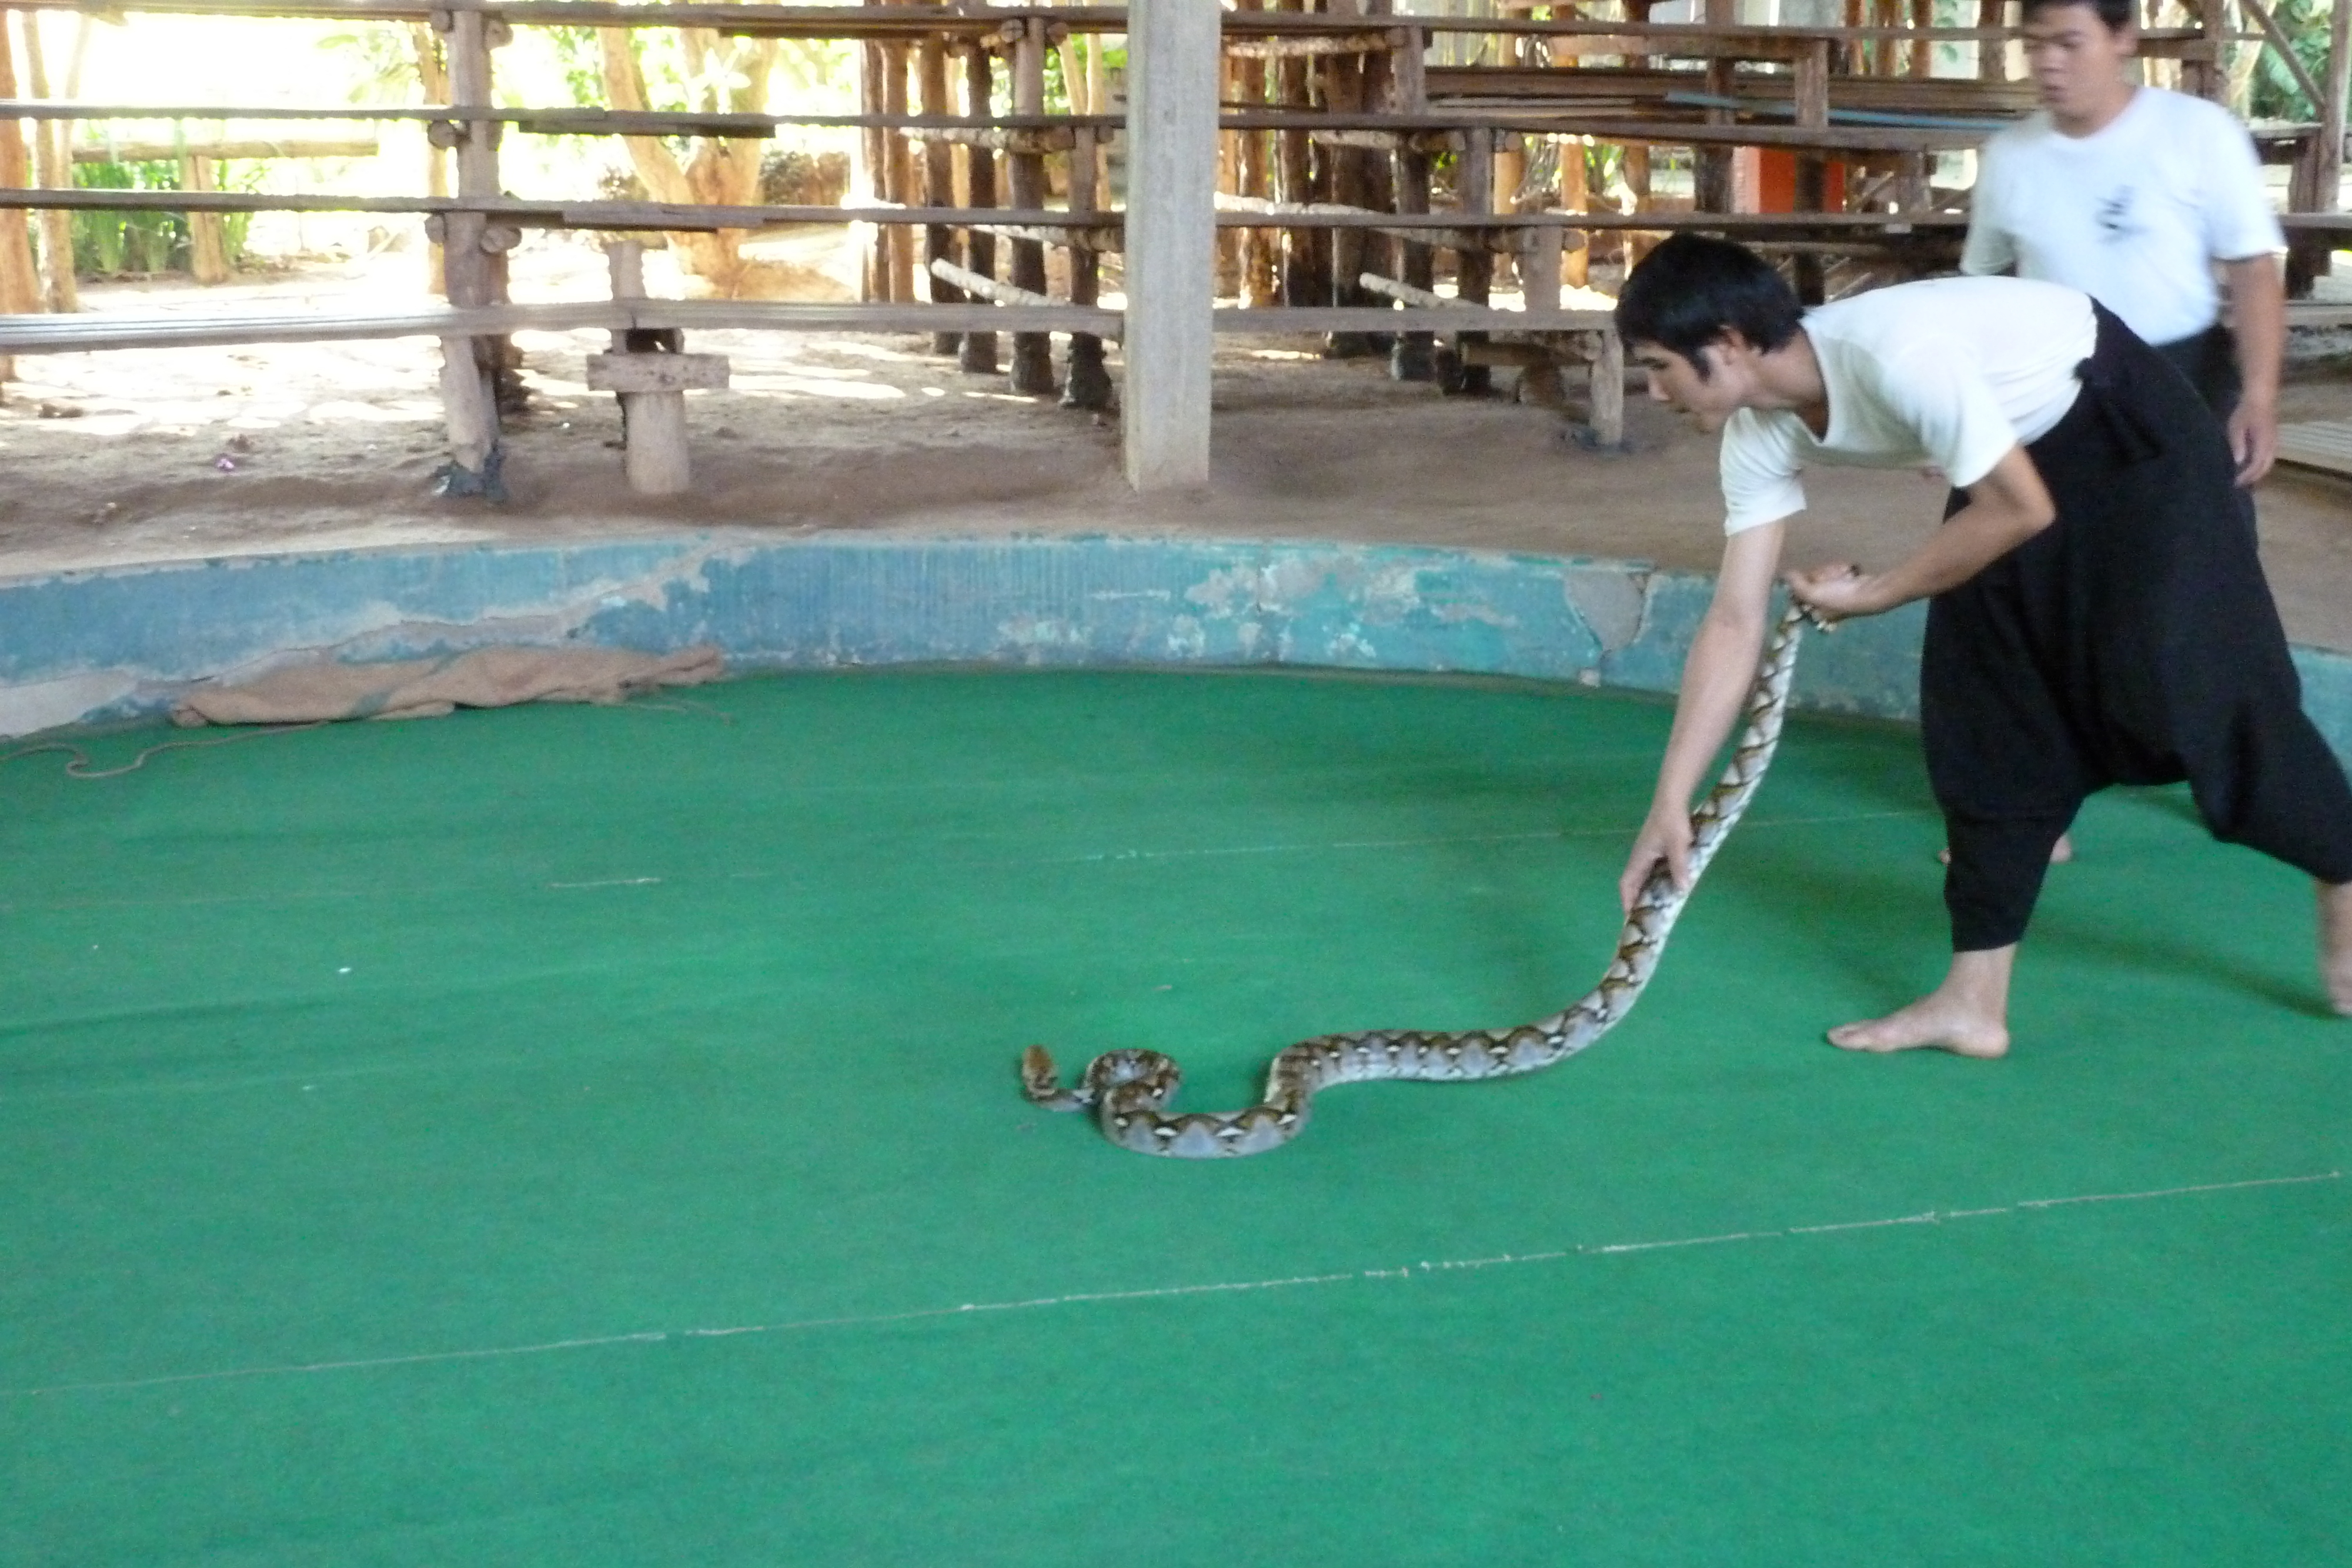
577	1136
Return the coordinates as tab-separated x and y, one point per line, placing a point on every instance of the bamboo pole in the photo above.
977	354
53	163
1033	352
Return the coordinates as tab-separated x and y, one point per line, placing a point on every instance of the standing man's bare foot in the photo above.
1967	1015
2060	852
2336	943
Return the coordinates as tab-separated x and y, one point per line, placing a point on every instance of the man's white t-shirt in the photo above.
2133	215
1951	373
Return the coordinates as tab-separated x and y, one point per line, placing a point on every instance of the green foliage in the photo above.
580	58
108	244
380	60
2275	94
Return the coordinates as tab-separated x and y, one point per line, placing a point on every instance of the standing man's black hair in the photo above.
1692	289
2116	14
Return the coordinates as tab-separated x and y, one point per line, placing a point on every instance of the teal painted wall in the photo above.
90	647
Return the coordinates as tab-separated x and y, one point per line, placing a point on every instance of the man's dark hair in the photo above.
1692	289
2116	14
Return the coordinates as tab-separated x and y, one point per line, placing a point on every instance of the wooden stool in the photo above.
653	388
651	376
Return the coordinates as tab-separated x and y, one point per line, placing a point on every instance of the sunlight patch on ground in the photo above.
814	386
411	412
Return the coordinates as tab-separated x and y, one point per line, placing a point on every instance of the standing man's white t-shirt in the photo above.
1951	373
2135	215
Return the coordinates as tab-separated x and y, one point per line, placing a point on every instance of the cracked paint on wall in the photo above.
87	647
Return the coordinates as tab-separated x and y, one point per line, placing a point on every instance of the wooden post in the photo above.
939	183
1411	355
871	174
650	386
1343	93
2208	77
1473	270
1576	196
1813	90
1711	166
467	391
1173	51
1259	250
53	161
1637	168
1540	253
1607	391
2329	167
1087	385
976	355
1033	352
1510	170
900	169
1992	54
1294	175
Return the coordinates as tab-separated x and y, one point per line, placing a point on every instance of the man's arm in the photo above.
2258	319
1717	674
2006	508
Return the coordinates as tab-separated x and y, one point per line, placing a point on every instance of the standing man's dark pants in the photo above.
2132	642
2209	361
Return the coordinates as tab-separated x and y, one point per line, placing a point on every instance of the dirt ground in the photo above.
189	452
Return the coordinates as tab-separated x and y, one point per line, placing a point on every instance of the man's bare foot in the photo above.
1967	1015
2060	852
1926	1024
2336	943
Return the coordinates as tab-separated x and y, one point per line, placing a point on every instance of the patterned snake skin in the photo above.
1127	1090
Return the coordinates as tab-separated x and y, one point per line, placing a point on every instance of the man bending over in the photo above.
2096	613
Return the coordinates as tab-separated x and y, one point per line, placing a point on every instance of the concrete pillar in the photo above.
1172	239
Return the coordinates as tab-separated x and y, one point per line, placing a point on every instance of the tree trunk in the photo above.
721	172
20	289
54	163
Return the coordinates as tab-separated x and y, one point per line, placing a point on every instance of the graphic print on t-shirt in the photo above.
2115	215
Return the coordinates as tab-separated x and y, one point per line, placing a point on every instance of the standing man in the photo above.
2135	197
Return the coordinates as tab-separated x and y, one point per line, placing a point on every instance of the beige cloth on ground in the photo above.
427	688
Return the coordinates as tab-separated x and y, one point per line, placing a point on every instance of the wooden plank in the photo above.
911	21
652	215
166	152
775	315
1456	318
2326	445
98	331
